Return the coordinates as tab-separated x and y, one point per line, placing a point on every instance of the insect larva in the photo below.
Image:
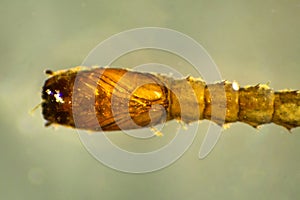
121	99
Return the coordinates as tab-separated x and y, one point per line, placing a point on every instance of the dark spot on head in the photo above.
49	72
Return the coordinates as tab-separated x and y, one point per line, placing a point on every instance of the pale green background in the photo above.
251	42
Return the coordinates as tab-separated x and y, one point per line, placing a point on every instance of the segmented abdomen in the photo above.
226	102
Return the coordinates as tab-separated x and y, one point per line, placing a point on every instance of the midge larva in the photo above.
111	99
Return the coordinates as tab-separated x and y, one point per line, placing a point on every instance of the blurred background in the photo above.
251	42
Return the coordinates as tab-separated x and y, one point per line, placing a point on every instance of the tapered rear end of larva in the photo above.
287	109
226	102
261	105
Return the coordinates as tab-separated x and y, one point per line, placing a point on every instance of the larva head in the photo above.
57	99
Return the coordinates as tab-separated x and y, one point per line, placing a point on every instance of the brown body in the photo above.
118	99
